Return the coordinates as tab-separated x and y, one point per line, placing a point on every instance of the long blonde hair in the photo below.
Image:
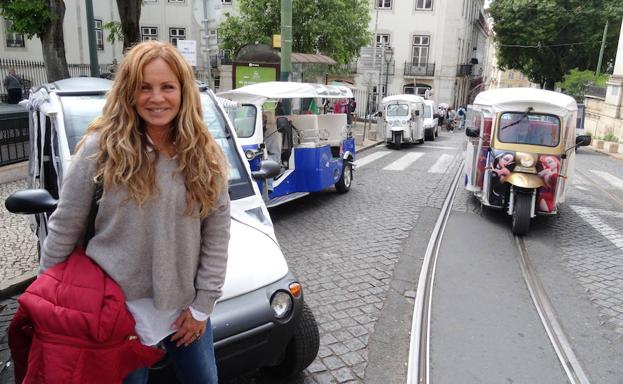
123	158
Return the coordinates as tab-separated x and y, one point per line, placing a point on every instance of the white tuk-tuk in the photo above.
403	119
520	151
314	150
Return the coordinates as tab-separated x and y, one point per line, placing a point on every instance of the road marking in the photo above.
403	162
593	217
442	164
370	158
436	147
610	179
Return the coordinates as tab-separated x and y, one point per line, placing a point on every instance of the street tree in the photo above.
334	28
575	82
43	19
130	16
545	39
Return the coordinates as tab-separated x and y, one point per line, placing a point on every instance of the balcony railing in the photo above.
464	70
419	69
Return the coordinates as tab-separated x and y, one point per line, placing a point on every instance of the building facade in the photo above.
428	47
432	47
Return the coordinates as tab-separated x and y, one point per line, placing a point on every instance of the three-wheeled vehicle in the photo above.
314	150
520	151
261	321
403	119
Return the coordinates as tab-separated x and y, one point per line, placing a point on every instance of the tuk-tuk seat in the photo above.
334	127
307	126
272	138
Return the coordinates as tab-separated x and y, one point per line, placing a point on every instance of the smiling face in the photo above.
159	96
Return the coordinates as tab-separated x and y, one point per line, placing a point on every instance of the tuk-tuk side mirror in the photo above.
417	112
583	140
377	114
472	131
31	201
268	169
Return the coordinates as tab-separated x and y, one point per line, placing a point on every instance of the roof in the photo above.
81	85
260	92
521	98
403	97
310	58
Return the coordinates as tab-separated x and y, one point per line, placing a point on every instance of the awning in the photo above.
310	58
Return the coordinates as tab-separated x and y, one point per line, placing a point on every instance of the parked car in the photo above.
431	120
261	321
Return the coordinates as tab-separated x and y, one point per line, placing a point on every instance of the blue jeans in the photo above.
193	364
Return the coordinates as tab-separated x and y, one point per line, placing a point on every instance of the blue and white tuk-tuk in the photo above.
314	150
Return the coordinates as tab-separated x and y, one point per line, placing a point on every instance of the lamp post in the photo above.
386	56
388	59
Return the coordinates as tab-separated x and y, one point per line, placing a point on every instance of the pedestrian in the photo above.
13	85
352	106
461	115
162	227
451	117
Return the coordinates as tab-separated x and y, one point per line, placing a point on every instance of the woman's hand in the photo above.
188	329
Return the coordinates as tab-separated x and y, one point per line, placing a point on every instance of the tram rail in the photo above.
419	351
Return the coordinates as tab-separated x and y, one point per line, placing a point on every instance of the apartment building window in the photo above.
149	33
99	34
176	34
13	39
424	5
384	4
177	1
420	50
226	2
383	39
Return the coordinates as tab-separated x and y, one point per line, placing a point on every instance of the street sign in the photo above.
188	49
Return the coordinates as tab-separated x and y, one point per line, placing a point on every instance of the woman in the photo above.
162	228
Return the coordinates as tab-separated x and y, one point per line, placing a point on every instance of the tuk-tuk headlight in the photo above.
525	160
281	304
250	154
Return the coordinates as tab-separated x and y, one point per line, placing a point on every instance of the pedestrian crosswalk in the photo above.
406	159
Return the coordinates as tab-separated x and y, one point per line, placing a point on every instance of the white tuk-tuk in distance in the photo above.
314	151
403	119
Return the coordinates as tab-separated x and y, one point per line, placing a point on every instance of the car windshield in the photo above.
527	128
397	110
243	118
79	111
428	111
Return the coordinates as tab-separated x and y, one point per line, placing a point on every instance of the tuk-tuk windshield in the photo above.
243	118
527	128
79	111
397	110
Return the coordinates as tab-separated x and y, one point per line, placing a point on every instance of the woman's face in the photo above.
159	96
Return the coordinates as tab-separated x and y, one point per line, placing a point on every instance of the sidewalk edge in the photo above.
16	285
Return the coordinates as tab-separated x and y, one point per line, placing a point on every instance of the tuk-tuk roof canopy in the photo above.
404	97
507	99
260	92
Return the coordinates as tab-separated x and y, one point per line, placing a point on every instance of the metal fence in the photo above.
13	134
33	73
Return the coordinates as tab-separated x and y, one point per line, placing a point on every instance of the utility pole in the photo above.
286	39
380	87
601	50
95	68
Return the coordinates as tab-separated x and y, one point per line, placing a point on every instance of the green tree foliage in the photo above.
544	39
43	19
336	28
575	82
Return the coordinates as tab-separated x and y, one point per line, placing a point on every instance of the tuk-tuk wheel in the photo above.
302	349
521	213
397	140
343	184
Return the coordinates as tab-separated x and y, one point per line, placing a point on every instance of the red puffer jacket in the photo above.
72	326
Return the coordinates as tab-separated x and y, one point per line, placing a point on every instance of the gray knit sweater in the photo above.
154	251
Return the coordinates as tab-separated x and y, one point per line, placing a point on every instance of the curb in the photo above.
16	285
